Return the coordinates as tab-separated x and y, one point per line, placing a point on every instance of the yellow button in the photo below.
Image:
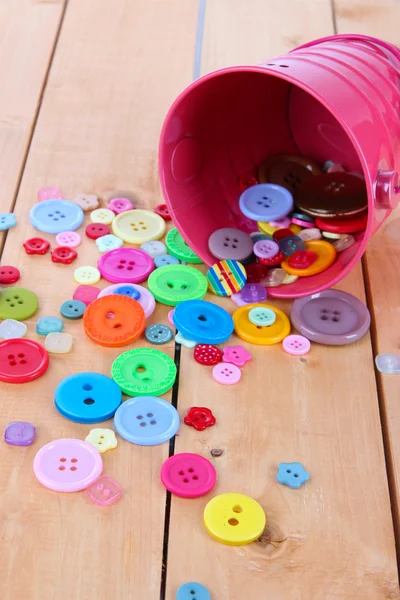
326	255
257	334
87	275
102	215
289	279
102	439
234	519
58	343
138	226
266	228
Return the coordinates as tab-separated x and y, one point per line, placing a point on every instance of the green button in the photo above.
262	317
177	246
175	283
17	303
144	372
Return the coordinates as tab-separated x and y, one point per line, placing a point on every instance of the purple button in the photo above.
230	243
19	433
253	292
331	317
266	202
266	249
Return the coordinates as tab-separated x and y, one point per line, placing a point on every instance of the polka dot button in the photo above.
126	265
102	215
146	421
230	243
158	334
226	373
188	475
9	274
70	239
144	372
67	465
258	334
22	360
87	275
56	216
146	298
234	519
17	303
266	202
138	226
207	354
296	345
97	230
262	316
73	309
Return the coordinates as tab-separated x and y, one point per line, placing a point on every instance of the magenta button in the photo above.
126	265
188	475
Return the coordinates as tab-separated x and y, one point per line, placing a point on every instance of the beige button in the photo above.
58	343
87	201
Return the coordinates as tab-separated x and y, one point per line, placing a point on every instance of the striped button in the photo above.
226	277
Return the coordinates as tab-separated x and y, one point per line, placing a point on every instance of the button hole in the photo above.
88	401
233	522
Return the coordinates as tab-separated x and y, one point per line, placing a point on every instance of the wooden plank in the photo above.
333	538
382	258
117	68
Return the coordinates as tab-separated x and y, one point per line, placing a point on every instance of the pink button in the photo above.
49	193
86	293
146	299
188	475
237	355
126	265
302	223
71	239
296	344
281	223
170	315
120	205
104	491
226	373
266	249
67	465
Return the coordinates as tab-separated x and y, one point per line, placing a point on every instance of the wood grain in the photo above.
333	538
117	68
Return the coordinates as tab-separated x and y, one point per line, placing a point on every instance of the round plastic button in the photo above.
64	255
164	260
127	290
144	372
260	315
36	245
226	373
158	334
258	334
17	303
114	321
188	475
253	292
266	249
266	202
22	360
229	242
69	239
87	398
87	275
146	299
177	246
226	277
146	421
86	293
333	195
310	234
345	241
97	230
349	225
326	255
154	248
192	589
203	321
331	317
176	283
162	211
303	259
9	274
126	265
102	215
55	216
288	170
207	354
296	344
73	309
234	519
67	465
138	226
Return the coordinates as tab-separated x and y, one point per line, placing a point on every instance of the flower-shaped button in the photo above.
86	293
108	242
120	205
102	439
50	192
236	355
226	373
184	341
188	475
158	334
104	491
154	248
10	329
102	215
7	220
253	292
72	309
36	245
162	211
199	418
144	371
192	590
292	474
207	354
46	325
58	343
302	259
88	275
87	201
19	433
71	239
9	274
96	230
64	255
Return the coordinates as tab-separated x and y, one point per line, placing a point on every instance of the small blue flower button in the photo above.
292	475
7	220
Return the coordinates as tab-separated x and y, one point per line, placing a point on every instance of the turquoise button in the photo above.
7	220
193	591
47	325
72	309
292	474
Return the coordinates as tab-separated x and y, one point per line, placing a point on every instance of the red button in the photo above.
255	272
22	360
246	181
199	418
274	260
96	230
9	274
350	225
64	255
162	211
36	245
302	259
279	234
207	354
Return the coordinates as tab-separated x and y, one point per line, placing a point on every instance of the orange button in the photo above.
326	255
114	320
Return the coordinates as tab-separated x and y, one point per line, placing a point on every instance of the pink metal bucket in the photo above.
336	98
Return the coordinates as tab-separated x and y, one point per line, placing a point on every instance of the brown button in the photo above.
332	195
287	170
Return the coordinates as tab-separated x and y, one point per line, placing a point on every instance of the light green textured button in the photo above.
175	283
144	372
177	246
17	303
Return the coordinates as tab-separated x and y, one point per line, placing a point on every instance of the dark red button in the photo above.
36	245
96	230
350	225
162	211
279	234
246	181
64	255
273	261
207	354
22	360
255	272
9	274
302	259
199	417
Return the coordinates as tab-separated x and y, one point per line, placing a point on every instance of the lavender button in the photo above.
253	292
230	243
19	433
331	317
266	202
266	249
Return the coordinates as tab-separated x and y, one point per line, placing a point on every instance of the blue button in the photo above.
158	334
292	474
55	216
87	398
192	591
289	245
108	242
203	321
146	420
164	260
128	290
266	202
73	309
7	220
47	325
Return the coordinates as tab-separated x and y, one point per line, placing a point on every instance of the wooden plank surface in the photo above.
333	538
117	68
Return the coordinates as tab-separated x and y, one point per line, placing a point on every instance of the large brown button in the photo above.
332	195
287	170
